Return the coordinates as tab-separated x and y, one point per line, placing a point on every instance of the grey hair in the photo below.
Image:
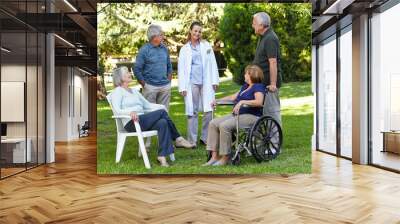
264	19
118	74
153	30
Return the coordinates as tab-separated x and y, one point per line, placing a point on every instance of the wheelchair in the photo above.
262	140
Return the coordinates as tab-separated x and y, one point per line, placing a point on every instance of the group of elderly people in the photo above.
198	80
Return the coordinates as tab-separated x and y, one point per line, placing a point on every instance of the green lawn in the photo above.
297	116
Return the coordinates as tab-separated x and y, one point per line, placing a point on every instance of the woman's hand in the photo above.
237	108
134	116
214	104
183	93
215	87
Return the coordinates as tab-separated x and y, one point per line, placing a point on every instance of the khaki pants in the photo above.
220	131
158	94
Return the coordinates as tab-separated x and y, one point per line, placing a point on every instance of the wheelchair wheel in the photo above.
265	139
235	160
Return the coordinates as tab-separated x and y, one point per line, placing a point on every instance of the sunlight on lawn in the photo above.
297	116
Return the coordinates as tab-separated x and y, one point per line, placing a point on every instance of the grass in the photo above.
297	116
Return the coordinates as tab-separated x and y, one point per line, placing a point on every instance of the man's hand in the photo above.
134	116
215	87
170	77
272	88
183	93
141	82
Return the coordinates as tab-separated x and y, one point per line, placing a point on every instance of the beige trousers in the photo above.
220	131
158	94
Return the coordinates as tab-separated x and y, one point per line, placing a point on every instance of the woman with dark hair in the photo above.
197	81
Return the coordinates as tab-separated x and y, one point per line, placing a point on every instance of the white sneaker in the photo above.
180	142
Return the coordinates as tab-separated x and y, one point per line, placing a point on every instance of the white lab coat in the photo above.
210	75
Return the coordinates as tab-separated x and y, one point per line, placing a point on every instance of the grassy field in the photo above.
297	117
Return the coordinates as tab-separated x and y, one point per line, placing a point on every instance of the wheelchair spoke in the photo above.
270	123
258	135
276	147
265	139
266	127
273	134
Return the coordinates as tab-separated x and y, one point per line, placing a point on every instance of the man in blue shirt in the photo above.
153	68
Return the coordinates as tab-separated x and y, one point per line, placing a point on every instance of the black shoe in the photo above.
202	142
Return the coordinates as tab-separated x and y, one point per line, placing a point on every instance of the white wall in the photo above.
61	103
71	94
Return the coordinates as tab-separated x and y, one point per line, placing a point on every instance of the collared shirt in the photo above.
268	47
153	65
196	72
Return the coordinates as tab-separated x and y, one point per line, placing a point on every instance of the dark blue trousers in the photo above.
160	121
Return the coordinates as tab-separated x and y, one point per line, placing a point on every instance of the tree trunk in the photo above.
101	88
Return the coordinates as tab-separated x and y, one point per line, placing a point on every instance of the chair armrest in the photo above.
121	116
124	116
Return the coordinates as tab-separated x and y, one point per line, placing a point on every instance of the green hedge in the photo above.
292	24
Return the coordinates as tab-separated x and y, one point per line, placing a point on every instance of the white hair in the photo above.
118	74
264	19
153	30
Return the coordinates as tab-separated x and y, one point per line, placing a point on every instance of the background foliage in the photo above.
292	24
122	31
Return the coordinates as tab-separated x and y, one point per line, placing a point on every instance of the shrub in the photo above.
292	24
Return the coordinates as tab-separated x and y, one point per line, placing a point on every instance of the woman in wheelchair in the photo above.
128	101
220	129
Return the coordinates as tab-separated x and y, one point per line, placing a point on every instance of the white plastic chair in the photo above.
122	134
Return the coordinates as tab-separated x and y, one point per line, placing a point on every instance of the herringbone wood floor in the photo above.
69	191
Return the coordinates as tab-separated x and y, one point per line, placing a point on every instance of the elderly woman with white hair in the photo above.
153	68
128	101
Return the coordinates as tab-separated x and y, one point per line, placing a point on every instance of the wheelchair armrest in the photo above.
225	102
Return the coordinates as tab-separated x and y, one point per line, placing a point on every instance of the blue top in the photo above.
124	102
153	64
196	72
250	95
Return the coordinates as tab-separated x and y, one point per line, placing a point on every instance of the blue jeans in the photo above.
160	121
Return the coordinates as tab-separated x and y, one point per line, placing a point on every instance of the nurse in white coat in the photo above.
198	80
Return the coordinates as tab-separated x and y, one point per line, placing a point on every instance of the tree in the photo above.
291	22
122	27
